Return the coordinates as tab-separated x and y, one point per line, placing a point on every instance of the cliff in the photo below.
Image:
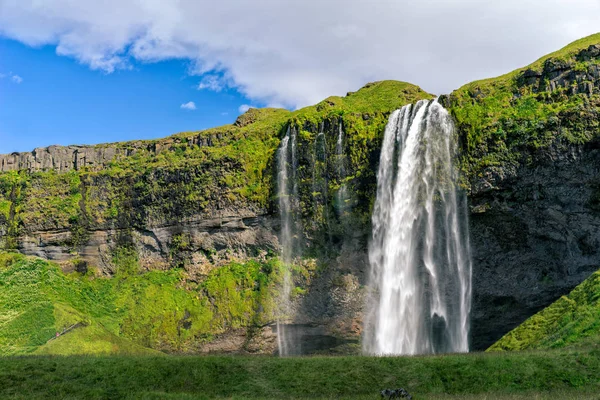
197	202
531	161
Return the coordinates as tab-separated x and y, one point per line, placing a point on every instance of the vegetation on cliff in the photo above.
554	101
571	321
192	174
502	123
189	176
130	313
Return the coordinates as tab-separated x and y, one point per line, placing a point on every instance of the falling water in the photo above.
288	194
341	194
319	171
419	254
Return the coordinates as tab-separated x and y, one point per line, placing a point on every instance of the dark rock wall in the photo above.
534	239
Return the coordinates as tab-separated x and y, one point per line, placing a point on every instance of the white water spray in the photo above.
419	254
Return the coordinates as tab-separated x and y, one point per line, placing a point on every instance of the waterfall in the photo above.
419	253
321	191
287	188
341	194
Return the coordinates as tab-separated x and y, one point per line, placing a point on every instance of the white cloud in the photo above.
296	52
190	105
243	108
212	82
13	77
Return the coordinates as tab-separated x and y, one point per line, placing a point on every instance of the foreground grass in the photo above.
554	374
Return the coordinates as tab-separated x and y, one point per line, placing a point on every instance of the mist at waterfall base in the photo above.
419	254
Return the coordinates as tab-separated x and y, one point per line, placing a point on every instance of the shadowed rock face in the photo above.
534	238
208	243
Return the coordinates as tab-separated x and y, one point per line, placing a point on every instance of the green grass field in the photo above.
564	374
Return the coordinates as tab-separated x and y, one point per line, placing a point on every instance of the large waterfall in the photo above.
419	253
287	189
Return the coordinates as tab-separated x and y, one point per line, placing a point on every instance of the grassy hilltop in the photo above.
503	120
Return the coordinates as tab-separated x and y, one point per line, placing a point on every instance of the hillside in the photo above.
529	143
198	202
130	313
553	100
571	321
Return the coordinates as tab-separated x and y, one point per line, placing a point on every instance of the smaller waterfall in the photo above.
341	195
419	253
287	189
320	167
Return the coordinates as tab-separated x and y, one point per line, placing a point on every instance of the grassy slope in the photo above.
565	53
493	376
129	313
573	320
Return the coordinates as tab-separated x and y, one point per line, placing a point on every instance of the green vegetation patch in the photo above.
130	312
503	120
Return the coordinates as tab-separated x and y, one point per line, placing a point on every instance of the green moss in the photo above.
92	340
131	310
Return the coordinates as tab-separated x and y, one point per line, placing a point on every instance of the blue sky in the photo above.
61	101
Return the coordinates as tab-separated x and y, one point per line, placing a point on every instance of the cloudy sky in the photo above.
85	71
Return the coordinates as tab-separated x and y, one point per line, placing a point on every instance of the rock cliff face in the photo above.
530	161
200	201
533	173
69	158
534	238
